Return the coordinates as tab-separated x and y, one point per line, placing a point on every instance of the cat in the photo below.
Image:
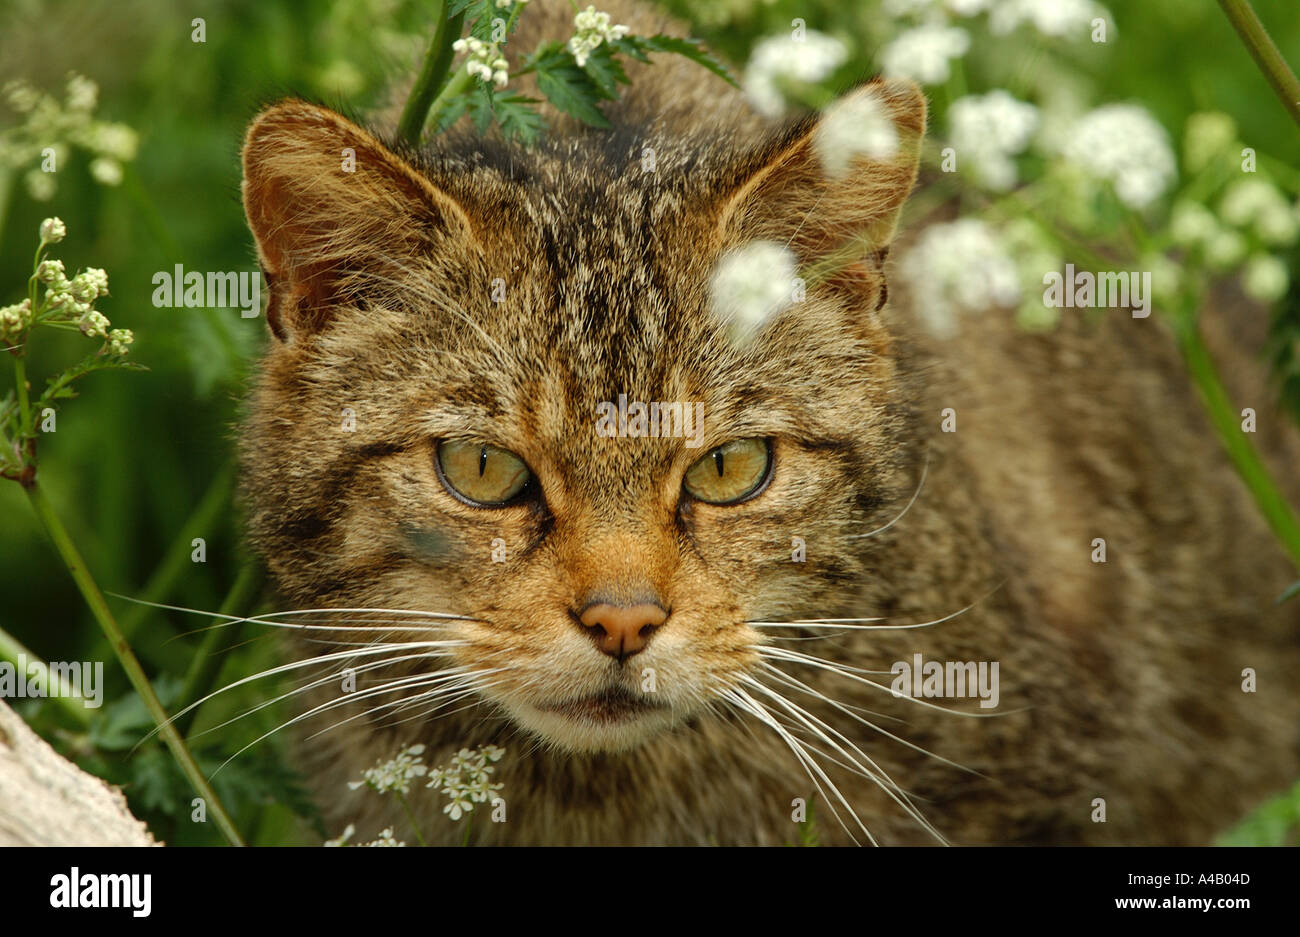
613	610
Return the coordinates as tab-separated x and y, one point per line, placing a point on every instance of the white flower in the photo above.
94	324
781	59
40	185
591	28
750	285
1124	144
385	839
1260	204
50	271
959	266
853	126
342	840
1225	250
119	341
987	131
485	60
1191	223
923	53
53	230
395	774
1049	17
15	318
1265	278
106	171
467	779
82	93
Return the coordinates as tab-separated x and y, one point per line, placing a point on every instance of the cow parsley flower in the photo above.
395	774
467	779
858	125
53	230
485	61
1265	278
1259	205
750	285
342	840
987	131
1125	145
590	29
924	53
385	839
959	266
50	127
779	60
1057	18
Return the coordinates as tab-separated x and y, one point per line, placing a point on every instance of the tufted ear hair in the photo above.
329	203
832	187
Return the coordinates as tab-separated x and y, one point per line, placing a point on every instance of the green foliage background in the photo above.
133	457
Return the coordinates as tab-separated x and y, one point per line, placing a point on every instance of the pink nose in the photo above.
622	630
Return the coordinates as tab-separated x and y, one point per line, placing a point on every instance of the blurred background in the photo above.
140	463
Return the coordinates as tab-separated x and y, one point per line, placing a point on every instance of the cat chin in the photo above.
588	733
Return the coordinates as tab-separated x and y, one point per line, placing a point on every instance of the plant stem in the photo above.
433	74
99	608
11	649
206	664
1265	53
214	503
1242	452
410	815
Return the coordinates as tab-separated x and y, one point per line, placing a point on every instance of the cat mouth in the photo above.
608	706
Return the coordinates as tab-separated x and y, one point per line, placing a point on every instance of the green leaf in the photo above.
1289	593
518	117
456	7
566	85
692	49
605	71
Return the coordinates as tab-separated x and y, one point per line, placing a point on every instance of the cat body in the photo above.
1120	683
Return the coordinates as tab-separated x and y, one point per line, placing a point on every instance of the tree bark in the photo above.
46	800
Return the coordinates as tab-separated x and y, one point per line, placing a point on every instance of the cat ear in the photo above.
326	199
831	188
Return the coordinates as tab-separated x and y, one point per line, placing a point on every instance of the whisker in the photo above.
925	468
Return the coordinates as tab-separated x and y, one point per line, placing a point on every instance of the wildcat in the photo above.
615	611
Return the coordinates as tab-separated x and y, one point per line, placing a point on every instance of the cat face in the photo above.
449	418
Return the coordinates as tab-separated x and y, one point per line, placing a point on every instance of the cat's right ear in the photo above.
327	200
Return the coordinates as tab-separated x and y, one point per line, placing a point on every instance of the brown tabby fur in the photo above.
1119	680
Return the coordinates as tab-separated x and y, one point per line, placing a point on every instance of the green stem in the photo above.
410	815
11	649
1242	452
433	74
206	664
99	608
457	84
209	511
1265	53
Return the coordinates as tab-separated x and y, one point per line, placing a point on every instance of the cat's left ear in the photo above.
327	200
831	187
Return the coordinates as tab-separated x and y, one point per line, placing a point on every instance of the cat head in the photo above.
518	386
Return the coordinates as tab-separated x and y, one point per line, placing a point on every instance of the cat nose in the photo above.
622	630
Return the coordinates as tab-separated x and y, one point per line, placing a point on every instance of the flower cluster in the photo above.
925	53
1125	145
987	131
485	60
467	779
780	61
50	127
858	125
386	838
396	774
959	266
750	285
590	29
61	301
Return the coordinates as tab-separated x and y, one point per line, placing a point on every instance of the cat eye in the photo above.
731	473
484	476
